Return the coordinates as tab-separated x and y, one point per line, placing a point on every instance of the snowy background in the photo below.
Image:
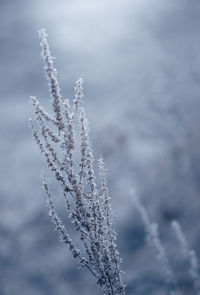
140	61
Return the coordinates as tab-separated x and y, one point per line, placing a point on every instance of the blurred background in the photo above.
140	61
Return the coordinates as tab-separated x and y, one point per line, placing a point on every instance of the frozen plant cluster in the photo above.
87	204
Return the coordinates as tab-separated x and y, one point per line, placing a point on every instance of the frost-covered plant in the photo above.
188	255
153	239
88	206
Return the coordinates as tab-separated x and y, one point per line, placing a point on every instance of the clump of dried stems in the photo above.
87	204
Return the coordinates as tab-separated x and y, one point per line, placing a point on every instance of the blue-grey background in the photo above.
140	61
